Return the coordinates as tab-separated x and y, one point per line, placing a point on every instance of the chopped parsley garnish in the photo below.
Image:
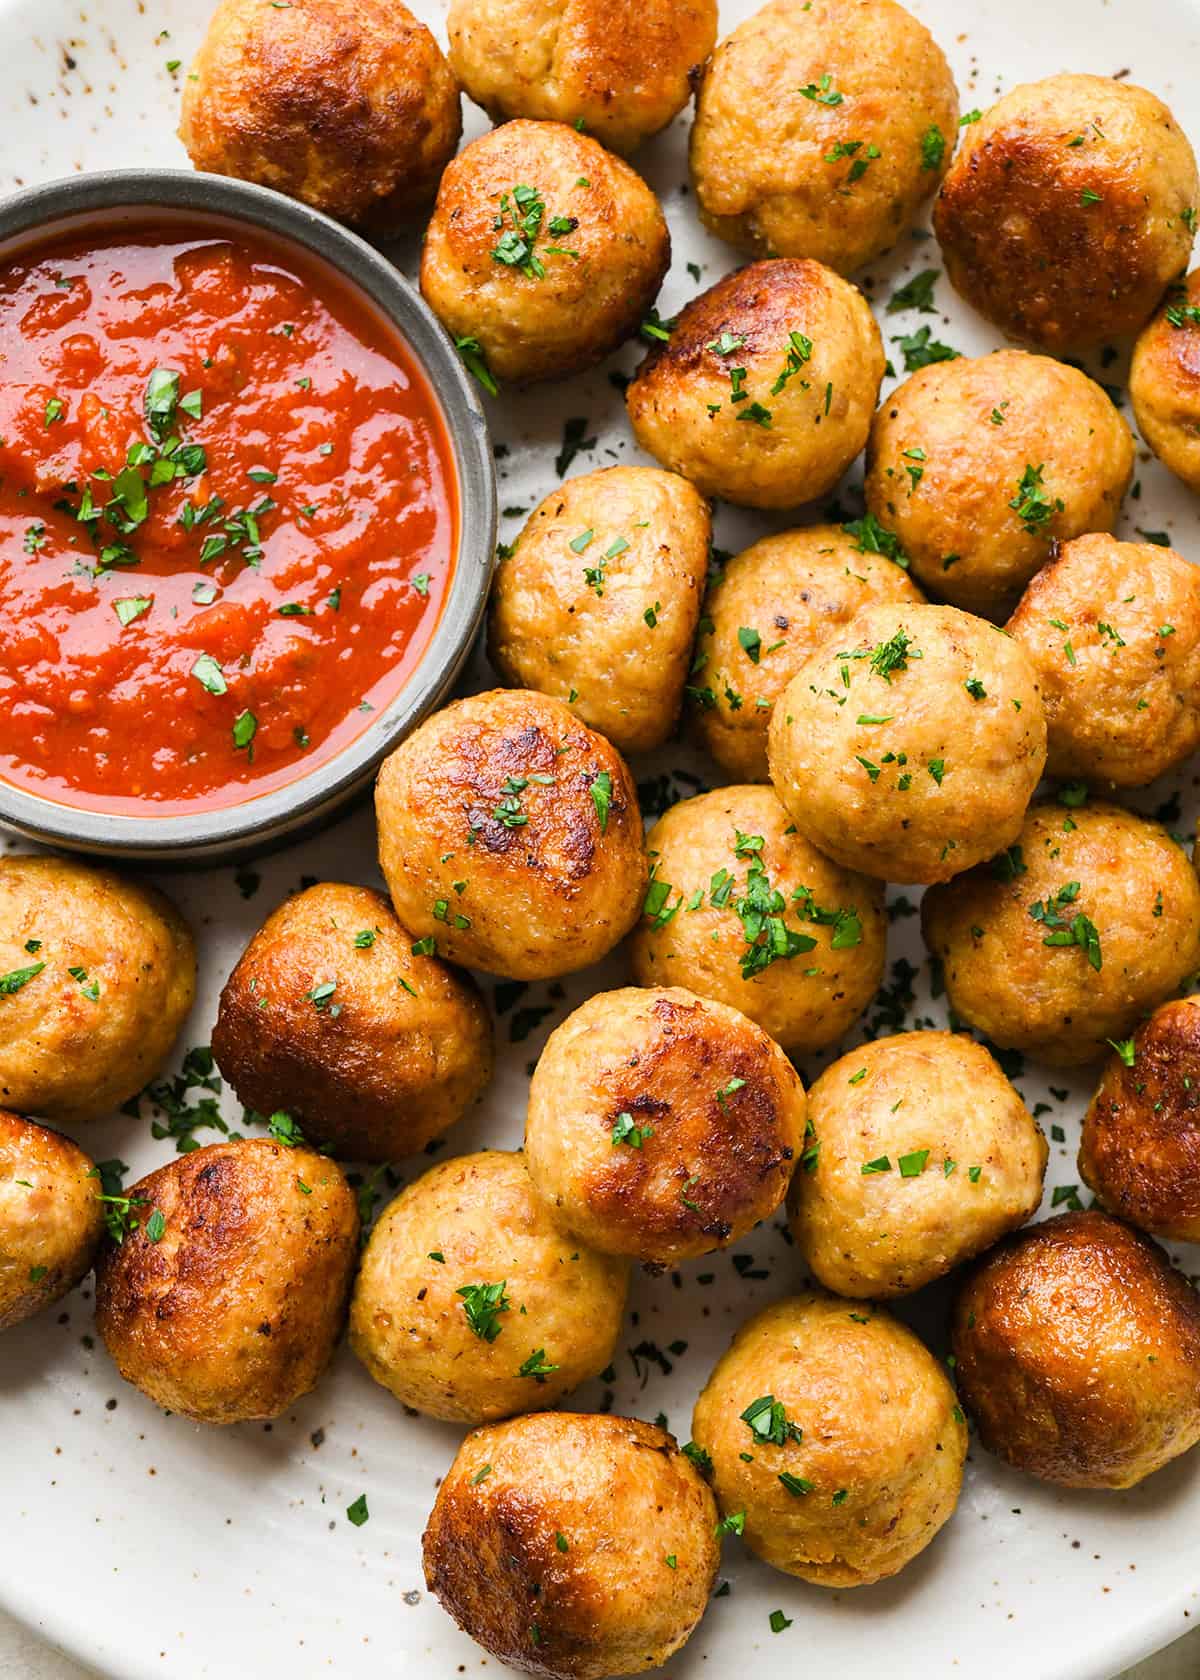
797	1486
18	977
933	147
870	537
1079	930
916	293
822	92
767	1420
358	1513
483	1303
209	674
625	1131
602	798
475	361
799	352
1031	504
537	1366
920	349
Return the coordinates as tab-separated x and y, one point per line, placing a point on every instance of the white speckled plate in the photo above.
149	1547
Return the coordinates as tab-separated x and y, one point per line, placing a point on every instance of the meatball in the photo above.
1164	382
572	1545
1113	631
97	975
920	1155
224	1299
765	614
51	1218
545	251
620	69
909	746
764	390
350	107
471	1304
662	1125
1078	1353
1068	210
1063	942
330	1014
510	837
837	1434
822	129
744	910
598	599
978	465
1140	1149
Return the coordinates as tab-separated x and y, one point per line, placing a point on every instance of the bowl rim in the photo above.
267	818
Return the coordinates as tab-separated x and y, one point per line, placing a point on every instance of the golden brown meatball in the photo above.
619	69
909	746
348	106
224	1303
1140	1148
1164	382
1068	210
920	1155
572	1545
510	836
545	251
97	974
1078	1353
821	129
765	614
661	1125
836	1433
752	915
764	391
51	1218
472	1304
977	465
1113	631
598	599
1066	940
330	1015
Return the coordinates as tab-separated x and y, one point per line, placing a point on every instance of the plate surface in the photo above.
148	1547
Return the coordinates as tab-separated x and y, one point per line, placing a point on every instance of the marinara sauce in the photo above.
228	516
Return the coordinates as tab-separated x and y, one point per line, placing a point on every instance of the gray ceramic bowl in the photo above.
271	818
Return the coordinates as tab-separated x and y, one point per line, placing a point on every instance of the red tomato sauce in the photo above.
228	516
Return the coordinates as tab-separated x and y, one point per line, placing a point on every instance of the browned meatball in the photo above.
1078	1352
510	836
97	974
573	1546
224	1301
1164	382
1063	942
331	1015
1140	1149
620	69
662	1125
346	104
51	1217
764	390
544	250
1113	631
1069	208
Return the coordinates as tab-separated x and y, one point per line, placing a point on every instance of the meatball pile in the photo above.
875	687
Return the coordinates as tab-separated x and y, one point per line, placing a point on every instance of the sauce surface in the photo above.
228	517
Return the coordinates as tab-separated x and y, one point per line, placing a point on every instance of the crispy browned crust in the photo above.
623	68
1164	383
399	1051
622	1496
233	1314
543	897
672	1085
351	108
1078	1351
1140	1149
760	303
51	1221
1056	243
